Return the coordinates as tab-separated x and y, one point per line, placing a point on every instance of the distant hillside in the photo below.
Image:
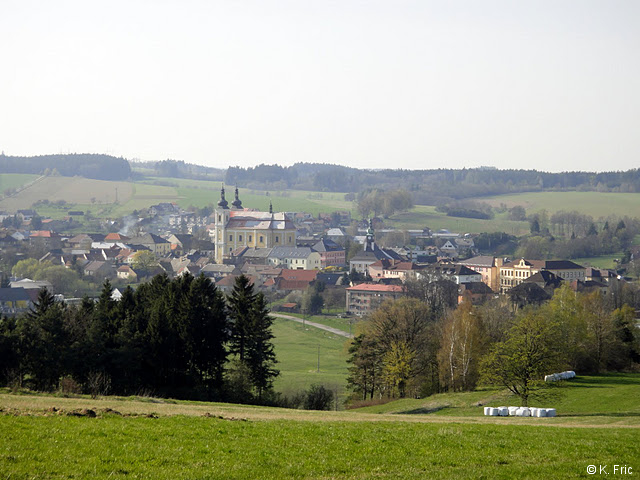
430	187
179	169
88	165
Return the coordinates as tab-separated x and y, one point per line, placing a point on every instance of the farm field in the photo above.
296	348
53	437
426	216
596	204
601	261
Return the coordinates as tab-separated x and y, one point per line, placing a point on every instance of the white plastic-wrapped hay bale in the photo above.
551	412
513	410
523	412
542	412
547	378
572	374
493	412
486	410
503	411
534	411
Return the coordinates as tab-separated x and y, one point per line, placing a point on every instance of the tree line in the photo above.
172	338
97	166
430	186
422	344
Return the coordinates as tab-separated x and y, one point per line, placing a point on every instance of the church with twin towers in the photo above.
236	227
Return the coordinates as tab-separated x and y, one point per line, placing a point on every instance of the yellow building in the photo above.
236	227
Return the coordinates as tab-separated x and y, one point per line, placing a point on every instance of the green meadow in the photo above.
614	396
15	180
596	204
298	349
57	437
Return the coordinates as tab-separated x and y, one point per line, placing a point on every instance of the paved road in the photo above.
335	331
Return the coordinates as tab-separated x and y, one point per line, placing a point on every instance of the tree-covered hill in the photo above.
429	187
89	165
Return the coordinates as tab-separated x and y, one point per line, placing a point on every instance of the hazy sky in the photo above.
552	85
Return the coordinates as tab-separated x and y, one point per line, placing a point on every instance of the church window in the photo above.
231	238
261	239
277	239
239	238
250	237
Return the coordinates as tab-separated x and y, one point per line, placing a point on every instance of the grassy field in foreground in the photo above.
52	437
179	447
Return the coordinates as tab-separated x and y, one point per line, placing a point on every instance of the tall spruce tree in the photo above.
206	331
251	334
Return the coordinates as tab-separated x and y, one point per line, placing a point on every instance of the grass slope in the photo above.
614	395
296	348
15	180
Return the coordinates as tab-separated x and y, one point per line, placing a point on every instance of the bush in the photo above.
318	397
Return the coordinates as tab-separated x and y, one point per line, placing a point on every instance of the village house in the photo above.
158	245
488	267
393	269
295	258
125	272
458	274
331	254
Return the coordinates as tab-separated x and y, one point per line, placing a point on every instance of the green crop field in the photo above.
422	216
14	180
56	437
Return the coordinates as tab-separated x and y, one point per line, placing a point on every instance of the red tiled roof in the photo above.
42	233
375	287
300	275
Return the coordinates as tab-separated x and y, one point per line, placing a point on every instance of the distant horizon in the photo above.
481	167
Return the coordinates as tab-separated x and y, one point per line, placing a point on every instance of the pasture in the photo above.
297	349
422	216
596	204
55	437
15	180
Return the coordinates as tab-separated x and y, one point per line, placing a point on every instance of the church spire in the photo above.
370	239
223	203
237	203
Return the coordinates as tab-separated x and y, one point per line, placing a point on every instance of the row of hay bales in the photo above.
519	412
554	377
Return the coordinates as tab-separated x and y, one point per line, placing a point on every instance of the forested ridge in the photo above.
428	186
88	165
